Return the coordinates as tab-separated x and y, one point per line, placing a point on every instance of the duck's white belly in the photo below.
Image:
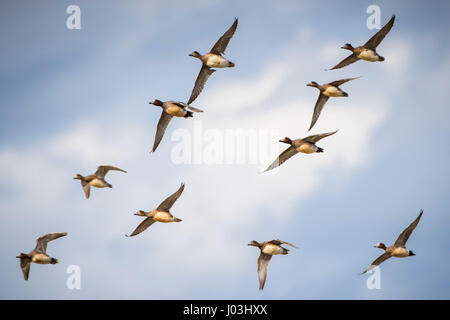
164	217
272	249
369	55
41	258
333	92
216	61
400	252
98	183
307	148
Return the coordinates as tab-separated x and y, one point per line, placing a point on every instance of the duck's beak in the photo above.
308	85
190	55
150	102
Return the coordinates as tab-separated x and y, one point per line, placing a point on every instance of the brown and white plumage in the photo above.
160	214
398	249
39	254
212	59
304	145
325	91
267	250
368	50
96	180
170	109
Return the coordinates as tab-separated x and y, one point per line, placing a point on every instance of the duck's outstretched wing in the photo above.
169	201
25	267
321	100
376	39
86	188
262	263
161	128
404	236
222	43
41	242
377	261
337	83
349	60
142	226
314	138
103	170
203	76
286	154
279	242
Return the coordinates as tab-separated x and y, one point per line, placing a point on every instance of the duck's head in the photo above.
195	54
156	102
22	255
78	177
254	243
313	84
140	213
380	245
347	46
286	140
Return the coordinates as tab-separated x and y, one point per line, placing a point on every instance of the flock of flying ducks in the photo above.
170	109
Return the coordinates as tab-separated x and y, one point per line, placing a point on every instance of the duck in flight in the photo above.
160	214
398	249
170	109
326	90
368	50
39	254
304	145
96	180
212	59
268	249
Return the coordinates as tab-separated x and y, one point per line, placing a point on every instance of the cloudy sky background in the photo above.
75	99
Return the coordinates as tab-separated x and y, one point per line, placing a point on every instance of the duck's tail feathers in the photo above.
189	114
54	261
177	220
319	149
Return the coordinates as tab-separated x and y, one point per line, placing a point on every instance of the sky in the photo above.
73	99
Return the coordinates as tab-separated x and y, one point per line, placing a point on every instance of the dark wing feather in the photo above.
41	242
404	236
103	170
142	226
169	201
286	154
86	188
321	100
222	43
378	261
25	267
373	42
349	60
339	82
184	105
262	263
161	128
279	242
202	77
